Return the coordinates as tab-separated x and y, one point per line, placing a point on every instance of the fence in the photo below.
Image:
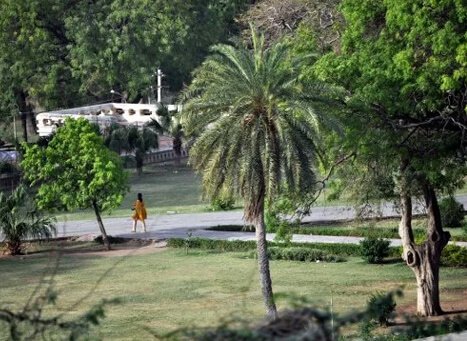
9	182
162	156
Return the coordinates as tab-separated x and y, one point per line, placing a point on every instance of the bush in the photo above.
452	212
373	250
381	307
210	244
223	203
454	255
301	254
338	249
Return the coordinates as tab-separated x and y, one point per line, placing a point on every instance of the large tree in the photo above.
257	131
35	68
61	53
76	170
121	43
404	65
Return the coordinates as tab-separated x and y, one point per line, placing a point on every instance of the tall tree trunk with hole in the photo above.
105	239
424	259
263	262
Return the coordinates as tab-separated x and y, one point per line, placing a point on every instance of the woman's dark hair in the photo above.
140	197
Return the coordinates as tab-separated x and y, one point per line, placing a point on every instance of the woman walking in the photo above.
140	213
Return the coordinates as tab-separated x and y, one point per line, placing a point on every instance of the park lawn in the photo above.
169	289
166	188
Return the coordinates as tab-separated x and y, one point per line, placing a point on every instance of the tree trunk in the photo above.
139	159
24	124
26	114
14	246
105	239
177	148
424	259
264	273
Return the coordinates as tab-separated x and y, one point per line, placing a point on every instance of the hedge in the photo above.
339	249
302	254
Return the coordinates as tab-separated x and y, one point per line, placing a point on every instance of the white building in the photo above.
102	114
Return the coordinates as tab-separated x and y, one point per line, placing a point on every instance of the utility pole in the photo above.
14	128
159	85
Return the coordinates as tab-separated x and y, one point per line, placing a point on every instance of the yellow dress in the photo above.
140	211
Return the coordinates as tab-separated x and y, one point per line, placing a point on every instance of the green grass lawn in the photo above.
165	188
167	290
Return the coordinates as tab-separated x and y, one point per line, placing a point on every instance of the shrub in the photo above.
223	203
452	212
338	249
454	255
373	250
20	219
210	244
381	307
301	254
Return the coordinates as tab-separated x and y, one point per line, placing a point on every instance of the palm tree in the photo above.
170	124
20	219
133	140
257	131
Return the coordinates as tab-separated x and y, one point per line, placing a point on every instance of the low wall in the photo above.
162	156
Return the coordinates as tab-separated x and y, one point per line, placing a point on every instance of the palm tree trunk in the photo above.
139	158
105	239
264	273
177	148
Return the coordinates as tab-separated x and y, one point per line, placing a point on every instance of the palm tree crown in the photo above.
257	127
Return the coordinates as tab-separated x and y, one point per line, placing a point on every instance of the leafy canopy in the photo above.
62	53
76	170
404	65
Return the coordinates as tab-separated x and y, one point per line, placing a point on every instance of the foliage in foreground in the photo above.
21	219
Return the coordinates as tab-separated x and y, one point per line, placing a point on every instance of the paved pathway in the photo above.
180	225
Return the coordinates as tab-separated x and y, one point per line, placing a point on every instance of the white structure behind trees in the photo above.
102	114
